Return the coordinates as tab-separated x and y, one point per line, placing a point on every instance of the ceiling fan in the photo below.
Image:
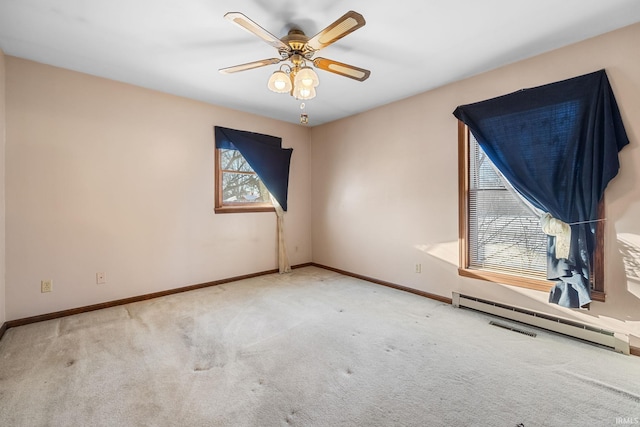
298	79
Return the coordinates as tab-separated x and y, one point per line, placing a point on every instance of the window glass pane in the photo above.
240	184
504	235
243	188
233	160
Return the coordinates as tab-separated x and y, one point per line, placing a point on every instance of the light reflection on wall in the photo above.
629	245
447	251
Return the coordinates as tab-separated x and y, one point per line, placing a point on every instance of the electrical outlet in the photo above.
418	268
46	286
101	278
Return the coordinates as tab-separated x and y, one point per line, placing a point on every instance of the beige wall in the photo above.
106	177
385	182
2	190
103	176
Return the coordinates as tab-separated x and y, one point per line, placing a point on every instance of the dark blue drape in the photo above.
265	155
558	146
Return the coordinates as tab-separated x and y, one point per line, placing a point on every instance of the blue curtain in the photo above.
558	146
265	155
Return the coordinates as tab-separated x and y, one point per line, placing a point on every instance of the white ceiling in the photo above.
410	46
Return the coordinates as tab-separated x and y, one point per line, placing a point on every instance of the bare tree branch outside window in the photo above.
504	234
240	183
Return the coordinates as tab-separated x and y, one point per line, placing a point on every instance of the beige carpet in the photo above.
310	348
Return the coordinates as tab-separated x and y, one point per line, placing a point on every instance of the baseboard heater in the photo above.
614	340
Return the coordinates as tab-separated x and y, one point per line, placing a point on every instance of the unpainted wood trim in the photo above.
507	279
109	304
217	176
598	257
243	209
635	351
598	296
522	282
3	329
463	191
387	284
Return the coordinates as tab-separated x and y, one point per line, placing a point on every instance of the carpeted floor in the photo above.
310	348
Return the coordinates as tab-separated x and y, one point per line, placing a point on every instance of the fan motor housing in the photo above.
297	41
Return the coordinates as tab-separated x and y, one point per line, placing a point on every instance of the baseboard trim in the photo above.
387	284
635	351
109	304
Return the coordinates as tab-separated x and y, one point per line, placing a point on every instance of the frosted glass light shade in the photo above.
279	82
302	92
306	77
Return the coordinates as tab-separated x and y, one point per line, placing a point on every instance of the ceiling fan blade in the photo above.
242	21
348	23
345	70
250	65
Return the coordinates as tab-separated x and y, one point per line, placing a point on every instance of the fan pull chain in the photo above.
304	117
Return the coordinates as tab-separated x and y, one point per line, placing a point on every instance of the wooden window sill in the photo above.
243	209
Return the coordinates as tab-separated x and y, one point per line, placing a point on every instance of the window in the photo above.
504	234
500	236
238	187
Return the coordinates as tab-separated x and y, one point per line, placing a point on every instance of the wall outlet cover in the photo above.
46	286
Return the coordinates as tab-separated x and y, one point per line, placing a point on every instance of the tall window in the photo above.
504	234
238	187
501	237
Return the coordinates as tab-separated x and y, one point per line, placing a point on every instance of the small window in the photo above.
238	187
500	236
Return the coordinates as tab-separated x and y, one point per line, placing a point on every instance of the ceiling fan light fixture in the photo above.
296	77
279	82
303	93
306	77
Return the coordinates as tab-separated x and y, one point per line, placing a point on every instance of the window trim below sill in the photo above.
519	281
243	209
